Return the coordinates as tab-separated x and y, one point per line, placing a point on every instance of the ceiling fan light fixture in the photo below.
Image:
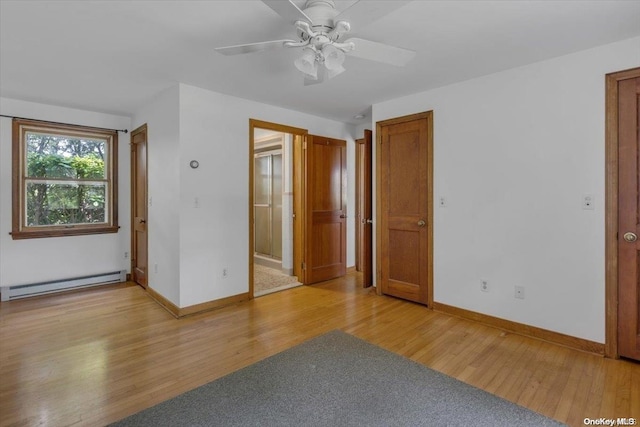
333	60
335	71
307	64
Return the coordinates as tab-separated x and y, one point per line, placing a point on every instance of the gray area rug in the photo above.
336	380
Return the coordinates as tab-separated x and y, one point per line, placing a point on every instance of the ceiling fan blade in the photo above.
364	12
251	47
288	10
374	51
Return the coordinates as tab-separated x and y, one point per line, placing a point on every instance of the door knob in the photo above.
421	223
368	221
143	221
630	237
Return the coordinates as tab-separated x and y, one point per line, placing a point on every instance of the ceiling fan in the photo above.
322	30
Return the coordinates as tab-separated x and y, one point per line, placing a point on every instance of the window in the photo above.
64	180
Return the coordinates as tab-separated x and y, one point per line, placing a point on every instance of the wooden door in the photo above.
326	209
629	218
139	254
405	207
364	214
298	207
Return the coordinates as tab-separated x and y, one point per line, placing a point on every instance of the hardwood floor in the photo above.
95	356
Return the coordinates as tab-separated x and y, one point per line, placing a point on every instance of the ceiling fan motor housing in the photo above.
321	13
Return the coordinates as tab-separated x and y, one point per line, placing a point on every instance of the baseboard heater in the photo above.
33	289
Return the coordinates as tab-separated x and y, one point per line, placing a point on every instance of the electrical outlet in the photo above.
519	292
442	202
126	255
484	286
225	273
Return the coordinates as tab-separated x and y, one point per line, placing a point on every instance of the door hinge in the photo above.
304	266
304	144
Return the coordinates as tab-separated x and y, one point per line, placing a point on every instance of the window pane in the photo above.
64	203
56	156
262	178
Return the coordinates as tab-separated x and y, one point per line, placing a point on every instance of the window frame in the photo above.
20	230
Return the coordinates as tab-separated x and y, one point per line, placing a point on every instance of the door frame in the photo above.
611	208
276	127
428	115
136	131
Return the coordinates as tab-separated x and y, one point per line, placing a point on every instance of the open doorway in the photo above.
272	227
273	211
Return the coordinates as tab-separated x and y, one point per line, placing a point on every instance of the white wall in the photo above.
514	153
213	129
163	217
359	130
39	260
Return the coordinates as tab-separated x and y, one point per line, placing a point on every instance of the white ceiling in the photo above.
113	56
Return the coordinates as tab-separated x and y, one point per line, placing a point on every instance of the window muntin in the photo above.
64	180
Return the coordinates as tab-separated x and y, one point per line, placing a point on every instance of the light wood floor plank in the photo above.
92	357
